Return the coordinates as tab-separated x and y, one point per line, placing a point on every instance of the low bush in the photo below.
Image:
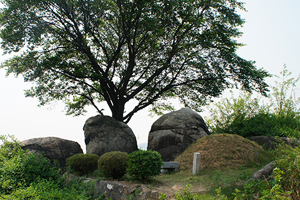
282	184
288	160
262	124
44	189
113	164
20	169
83	164
144	164
246	115
31	176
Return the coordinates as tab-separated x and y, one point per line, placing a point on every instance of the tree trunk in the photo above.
118	111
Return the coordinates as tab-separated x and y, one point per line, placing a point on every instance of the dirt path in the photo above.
171	188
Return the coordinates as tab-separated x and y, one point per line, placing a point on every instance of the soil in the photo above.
169	188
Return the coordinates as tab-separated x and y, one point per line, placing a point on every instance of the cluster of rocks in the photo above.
170	135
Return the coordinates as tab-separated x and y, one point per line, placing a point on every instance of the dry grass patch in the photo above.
223	150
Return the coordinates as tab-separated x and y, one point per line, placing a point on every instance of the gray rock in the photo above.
264	172
105	134
53	148
270	142
174	132
117	190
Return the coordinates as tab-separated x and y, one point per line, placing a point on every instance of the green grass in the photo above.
227	178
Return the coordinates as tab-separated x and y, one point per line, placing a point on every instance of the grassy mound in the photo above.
223	150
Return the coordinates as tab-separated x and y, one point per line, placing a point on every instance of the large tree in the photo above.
89	51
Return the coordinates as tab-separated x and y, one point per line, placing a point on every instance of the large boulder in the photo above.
105	134
53	148
174	132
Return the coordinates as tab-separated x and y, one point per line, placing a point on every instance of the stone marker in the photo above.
196	163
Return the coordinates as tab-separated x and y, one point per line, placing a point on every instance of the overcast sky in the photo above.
271	38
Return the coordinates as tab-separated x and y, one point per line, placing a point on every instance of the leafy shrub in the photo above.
113	164
31	176
19	169
143	164
74	189
284	181
288	160
248	116
232	110
9	147
83	164
244	116
262	124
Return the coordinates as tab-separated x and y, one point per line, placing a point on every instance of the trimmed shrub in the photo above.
83	164
143	164
113	164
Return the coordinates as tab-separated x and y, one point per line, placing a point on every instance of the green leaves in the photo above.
83	164
113	164
144	164
18	169
85	52
285	94
31	176
248	116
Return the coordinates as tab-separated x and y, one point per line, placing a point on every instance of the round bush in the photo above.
113	164
83	164
143	164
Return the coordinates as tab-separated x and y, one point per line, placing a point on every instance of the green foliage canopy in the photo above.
89	51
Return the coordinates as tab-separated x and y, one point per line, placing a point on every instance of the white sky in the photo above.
271	35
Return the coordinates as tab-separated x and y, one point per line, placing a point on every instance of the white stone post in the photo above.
196	163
